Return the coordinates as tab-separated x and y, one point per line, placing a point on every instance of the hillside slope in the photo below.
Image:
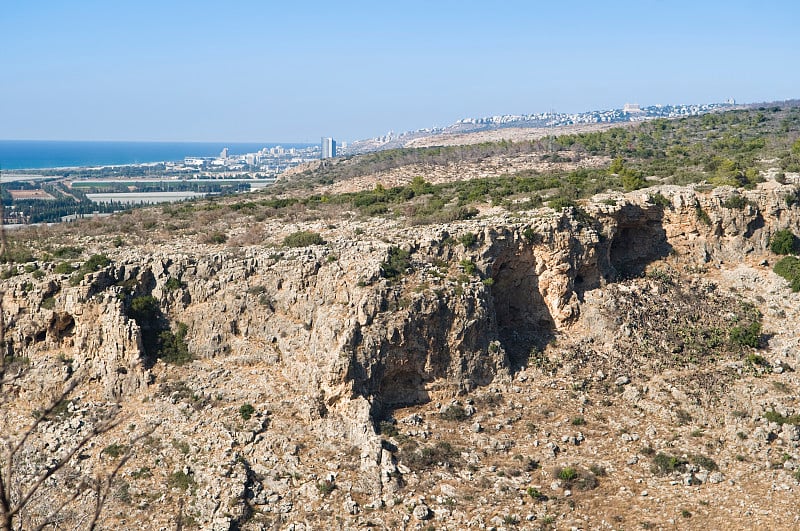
579	367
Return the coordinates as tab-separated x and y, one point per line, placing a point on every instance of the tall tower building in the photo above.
328	148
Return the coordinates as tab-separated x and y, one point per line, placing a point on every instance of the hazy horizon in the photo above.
200	71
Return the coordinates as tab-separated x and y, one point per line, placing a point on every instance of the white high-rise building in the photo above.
328	148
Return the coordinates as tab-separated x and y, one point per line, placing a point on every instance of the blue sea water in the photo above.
39	154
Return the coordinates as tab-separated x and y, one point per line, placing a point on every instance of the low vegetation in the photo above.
303	238
789	268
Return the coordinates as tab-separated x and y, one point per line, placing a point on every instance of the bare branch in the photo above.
104	487
44	416
98	429
50	519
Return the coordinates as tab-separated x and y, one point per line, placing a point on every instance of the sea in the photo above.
42	154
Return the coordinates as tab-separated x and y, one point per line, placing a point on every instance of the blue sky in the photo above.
295	71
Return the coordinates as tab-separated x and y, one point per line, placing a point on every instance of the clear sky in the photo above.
294	71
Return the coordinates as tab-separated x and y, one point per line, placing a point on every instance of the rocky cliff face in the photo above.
325	348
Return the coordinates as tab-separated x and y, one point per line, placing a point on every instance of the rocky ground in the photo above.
572	369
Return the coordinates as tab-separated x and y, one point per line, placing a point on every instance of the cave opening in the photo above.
635	246
524	322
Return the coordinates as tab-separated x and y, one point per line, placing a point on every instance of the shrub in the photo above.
396	264
705	462
578	421
658	199
746	336
326	486
94	263
454	412
468	239
114	450
580	479
789	268
667	464
180	480
173	284
783	242
536	494
246	411
560	203
735	201
702	215
215	237
774	416
388	429
529	234
567	473
68	252
64	268
172	346
303	238
469	266
631	179
426	457
144	310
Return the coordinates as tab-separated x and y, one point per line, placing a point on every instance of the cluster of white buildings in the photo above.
268	161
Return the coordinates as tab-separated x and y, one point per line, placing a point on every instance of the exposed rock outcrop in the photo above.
326	348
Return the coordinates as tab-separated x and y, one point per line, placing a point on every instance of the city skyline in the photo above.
186	71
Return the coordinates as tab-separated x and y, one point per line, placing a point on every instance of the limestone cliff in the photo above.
325	348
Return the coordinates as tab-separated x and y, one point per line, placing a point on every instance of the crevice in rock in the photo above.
755	224
61	325
523	318
640	239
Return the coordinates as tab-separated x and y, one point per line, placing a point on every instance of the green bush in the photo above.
326	486
789	268
114	450
469	266
468	239
303	238
94	263
536	494
529	234
774	416
454	412
746	336
705	462
702	215
735	201
560	203
783	242
215	237
64	268
659	199
567	474
172	346
388	429
180	480
667	464
396	264
145	310
173	284
246	411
